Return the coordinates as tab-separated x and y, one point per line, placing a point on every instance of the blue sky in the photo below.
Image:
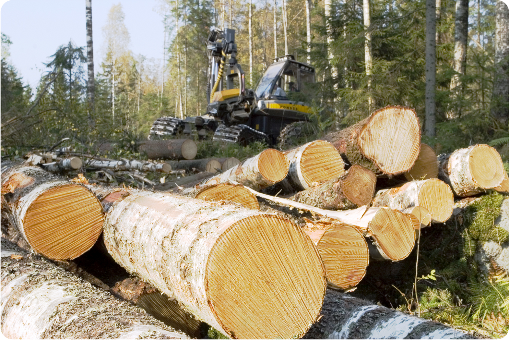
38	27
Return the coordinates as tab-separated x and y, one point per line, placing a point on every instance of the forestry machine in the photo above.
245	115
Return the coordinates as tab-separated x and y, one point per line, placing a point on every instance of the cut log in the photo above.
354	189
425	166
421	214
186	182
258	172
347	317
130	165
58	219
225	192
472	170
227	163
503	187
169	149
42	301
387	142
72	163
206	164
247	274
432	194
343	251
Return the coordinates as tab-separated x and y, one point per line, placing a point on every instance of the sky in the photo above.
37	28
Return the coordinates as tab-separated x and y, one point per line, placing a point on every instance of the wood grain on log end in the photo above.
503	187
426	165
273	165
359	185
230	193
321	161
437	197
486	166
63	222
422	216
265	271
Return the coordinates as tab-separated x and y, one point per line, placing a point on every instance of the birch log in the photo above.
169	149
129	165
72	163
206	164
425	166
225	192
343	250
387	142
247	274
472	170
227	163
353	189
43	301
57	218
258	172
432	194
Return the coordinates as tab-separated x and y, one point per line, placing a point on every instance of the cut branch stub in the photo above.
387	142
247	274
59	219
230	193
426	165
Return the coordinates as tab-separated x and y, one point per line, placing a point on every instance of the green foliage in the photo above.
213	333
480	217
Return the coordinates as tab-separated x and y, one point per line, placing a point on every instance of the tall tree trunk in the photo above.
308	6
90	67
275	31
500	96
285	26
430	69
333	69
113	94
438	18
250	32
368	51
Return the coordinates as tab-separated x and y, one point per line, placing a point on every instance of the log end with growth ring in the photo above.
437	197
189	149
320	162
273	165
393	232
486	166
230	193
391	139
63	222
421	215
359	185
264	279
426	165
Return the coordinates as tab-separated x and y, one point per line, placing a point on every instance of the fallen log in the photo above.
225	192
57	218
169	149
227	163
185	182
472	170
431	194
206	164
387	142
425	166
347	317
72	163
247	274
258	172
343	251
126	165
353	189
41	300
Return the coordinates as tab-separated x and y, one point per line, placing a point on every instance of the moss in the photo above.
213	333
496	234
480	217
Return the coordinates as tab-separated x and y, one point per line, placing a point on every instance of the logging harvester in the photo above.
241	115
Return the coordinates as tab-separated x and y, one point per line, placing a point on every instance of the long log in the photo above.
258	172
353	189
387	142
129	165
169	149
247	274
472	170
347	317
206	164
343	250
43	301
186	182
227	163
72	163
432	194
57	218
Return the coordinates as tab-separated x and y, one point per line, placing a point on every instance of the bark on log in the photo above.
225	192
347	317
258	172
425	166
186	182
227	163
57	218
206	164
387	142
73	163
169	149
248	274
503	187
41	300
432	194
130	165
353	189
343	251
472	170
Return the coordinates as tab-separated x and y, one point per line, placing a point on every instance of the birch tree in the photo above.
500	90
308	7
368	51
430	69
90	65
275	31
250	28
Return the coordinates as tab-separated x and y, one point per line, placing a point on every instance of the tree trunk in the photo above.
225	192
57	218
250	33
353	189
65	164
425	166
368	51
329	42
215	260
308	8
499	101
284	14
205	164
43	301
431	194
258	172
130	165
227	163
169	149
275	31
387	142
90	66
438	19
472	170
430	69
343	250
347	317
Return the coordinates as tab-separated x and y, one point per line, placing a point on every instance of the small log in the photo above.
247	274
387	142
225	192
227	163
258	172
425	166
127	165
503	187
58	219
43	301
472	170
432	194
343	251
73	163
186	182
421	214
354	189
206	164
169	149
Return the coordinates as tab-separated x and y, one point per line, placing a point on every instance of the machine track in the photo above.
240	134
166	126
